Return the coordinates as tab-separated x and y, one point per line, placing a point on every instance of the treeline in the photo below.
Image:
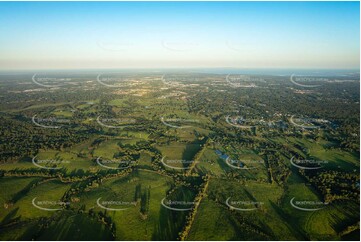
19	137
334	185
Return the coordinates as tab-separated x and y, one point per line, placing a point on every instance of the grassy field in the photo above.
131	224
323	224
210	163
261	223
68	160
212	217
249	185
72	226
107	149
65	225
179	152
24	231
41	194
9	196
336	159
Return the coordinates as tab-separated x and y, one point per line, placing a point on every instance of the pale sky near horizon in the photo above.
71	35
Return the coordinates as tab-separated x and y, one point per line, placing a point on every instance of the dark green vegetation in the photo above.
183	156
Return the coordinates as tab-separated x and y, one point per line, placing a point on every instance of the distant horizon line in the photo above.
182	68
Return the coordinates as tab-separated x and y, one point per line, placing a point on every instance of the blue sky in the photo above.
50	35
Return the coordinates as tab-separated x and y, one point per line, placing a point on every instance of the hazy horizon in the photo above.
87	35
